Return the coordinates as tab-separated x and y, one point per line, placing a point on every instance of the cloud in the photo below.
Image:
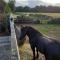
21	2
30	3
33	3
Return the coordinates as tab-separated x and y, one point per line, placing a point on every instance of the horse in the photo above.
40	43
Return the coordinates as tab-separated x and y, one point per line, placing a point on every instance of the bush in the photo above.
54	21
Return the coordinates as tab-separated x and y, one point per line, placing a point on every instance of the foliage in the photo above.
11	5
54	21
7	9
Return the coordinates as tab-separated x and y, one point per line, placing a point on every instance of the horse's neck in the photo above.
32	33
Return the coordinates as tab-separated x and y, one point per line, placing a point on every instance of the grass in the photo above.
51	30
56	15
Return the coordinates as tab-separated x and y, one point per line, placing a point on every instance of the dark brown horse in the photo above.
47	46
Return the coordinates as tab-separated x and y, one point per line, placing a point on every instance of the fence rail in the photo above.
14	47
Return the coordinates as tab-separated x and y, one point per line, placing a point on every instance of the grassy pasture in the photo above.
56	15
49	30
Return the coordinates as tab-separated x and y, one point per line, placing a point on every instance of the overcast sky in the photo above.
33	3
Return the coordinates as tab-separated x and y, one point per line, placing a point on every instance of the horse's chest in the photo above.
32	41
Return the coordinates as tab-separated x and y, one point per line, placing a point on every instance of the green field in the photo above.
56	15
51	30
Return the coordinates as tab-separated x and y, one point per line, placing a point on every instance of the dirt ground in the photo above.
26	52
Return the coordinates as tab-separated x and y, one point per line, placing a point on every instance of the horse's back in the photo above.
49	45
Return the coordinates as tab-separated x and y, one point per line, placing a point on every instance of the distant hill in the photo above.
41	8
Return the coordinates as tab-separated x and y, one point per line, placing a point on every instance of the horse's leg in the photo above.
33	49
37	53
49	57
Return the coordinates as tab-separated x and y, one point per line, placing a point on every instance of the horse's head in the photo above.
23	32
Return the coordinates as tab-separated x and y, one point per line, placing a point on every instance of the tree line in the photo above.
45	9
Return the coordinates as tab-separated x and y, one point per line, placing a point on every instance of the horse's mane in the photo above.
36	31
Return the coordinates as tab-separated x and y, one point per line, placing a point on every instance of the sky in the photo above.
51	1
33	3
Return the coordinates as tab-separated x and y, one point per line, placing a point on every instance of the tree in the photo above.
26	9
11	4
19	9
7	9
